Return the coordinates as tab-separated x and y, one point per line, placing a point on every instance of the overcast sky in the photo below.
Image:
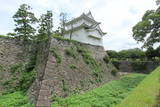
117	17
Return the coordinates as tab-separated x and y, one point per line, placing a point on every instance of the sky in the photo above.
117	17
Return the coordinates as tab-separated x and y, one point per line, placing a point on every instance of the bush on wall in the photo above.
116	63
22	78
139	66
71	52
56	55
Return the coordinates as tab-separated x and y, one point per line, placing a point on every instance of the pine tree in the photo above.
63	20
45	26
24	19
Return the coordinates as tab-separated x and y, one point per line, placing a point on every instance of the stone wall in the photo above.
137	66
10	53
64	80
41	60
13	52
71	75
59	79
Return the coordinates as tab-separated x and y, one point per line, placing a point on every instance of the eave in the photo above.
76	28
81	17
94	37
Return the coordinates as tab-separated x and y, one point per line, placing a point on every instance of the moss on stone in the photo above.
89	60
71	52
56	54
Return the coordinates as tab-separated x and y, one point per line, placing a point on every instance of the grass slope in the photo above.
16	99
146	93
107	95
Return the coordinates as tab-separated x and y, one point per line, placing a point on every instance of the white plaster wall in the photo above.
94	33
76	24
82	36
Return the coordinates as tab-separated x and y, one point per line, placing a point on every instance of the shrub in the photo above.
16	99
112	54
56	55
114	72
7	37
22	76
64	39
88	59
1	67
72	66
106	59
116	63
139	66
71	52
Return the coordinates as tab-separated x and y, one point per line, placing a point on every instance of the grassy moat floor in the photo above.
108	95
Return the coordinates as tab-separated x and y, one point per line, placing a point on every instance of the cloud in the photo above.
117	16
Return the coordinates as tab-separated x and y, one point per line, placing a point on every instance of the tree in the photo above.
150	53
112	54
132	54
147	30
24	19
45	26
158	51
63	20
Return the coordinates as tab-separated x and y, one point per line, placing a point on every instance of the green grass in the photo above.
146	93
72	52
23	75
56	54
16	99
89	60
107	95
63	39
7	37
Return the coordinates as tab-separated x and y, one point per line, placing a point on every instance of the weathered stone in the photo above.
43	103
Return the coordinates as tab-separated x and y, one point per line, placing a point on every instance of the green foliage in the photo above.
107	95
88	59
112	54
16	99
132	53
147	30
4	36
72	66
145	94
23	76
64	86
116	63
45	26
71	52
24	19
139	66
127	54
63	39
158	100
56	55
114	72
106	59
151	53
158	52
1	36
1	68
